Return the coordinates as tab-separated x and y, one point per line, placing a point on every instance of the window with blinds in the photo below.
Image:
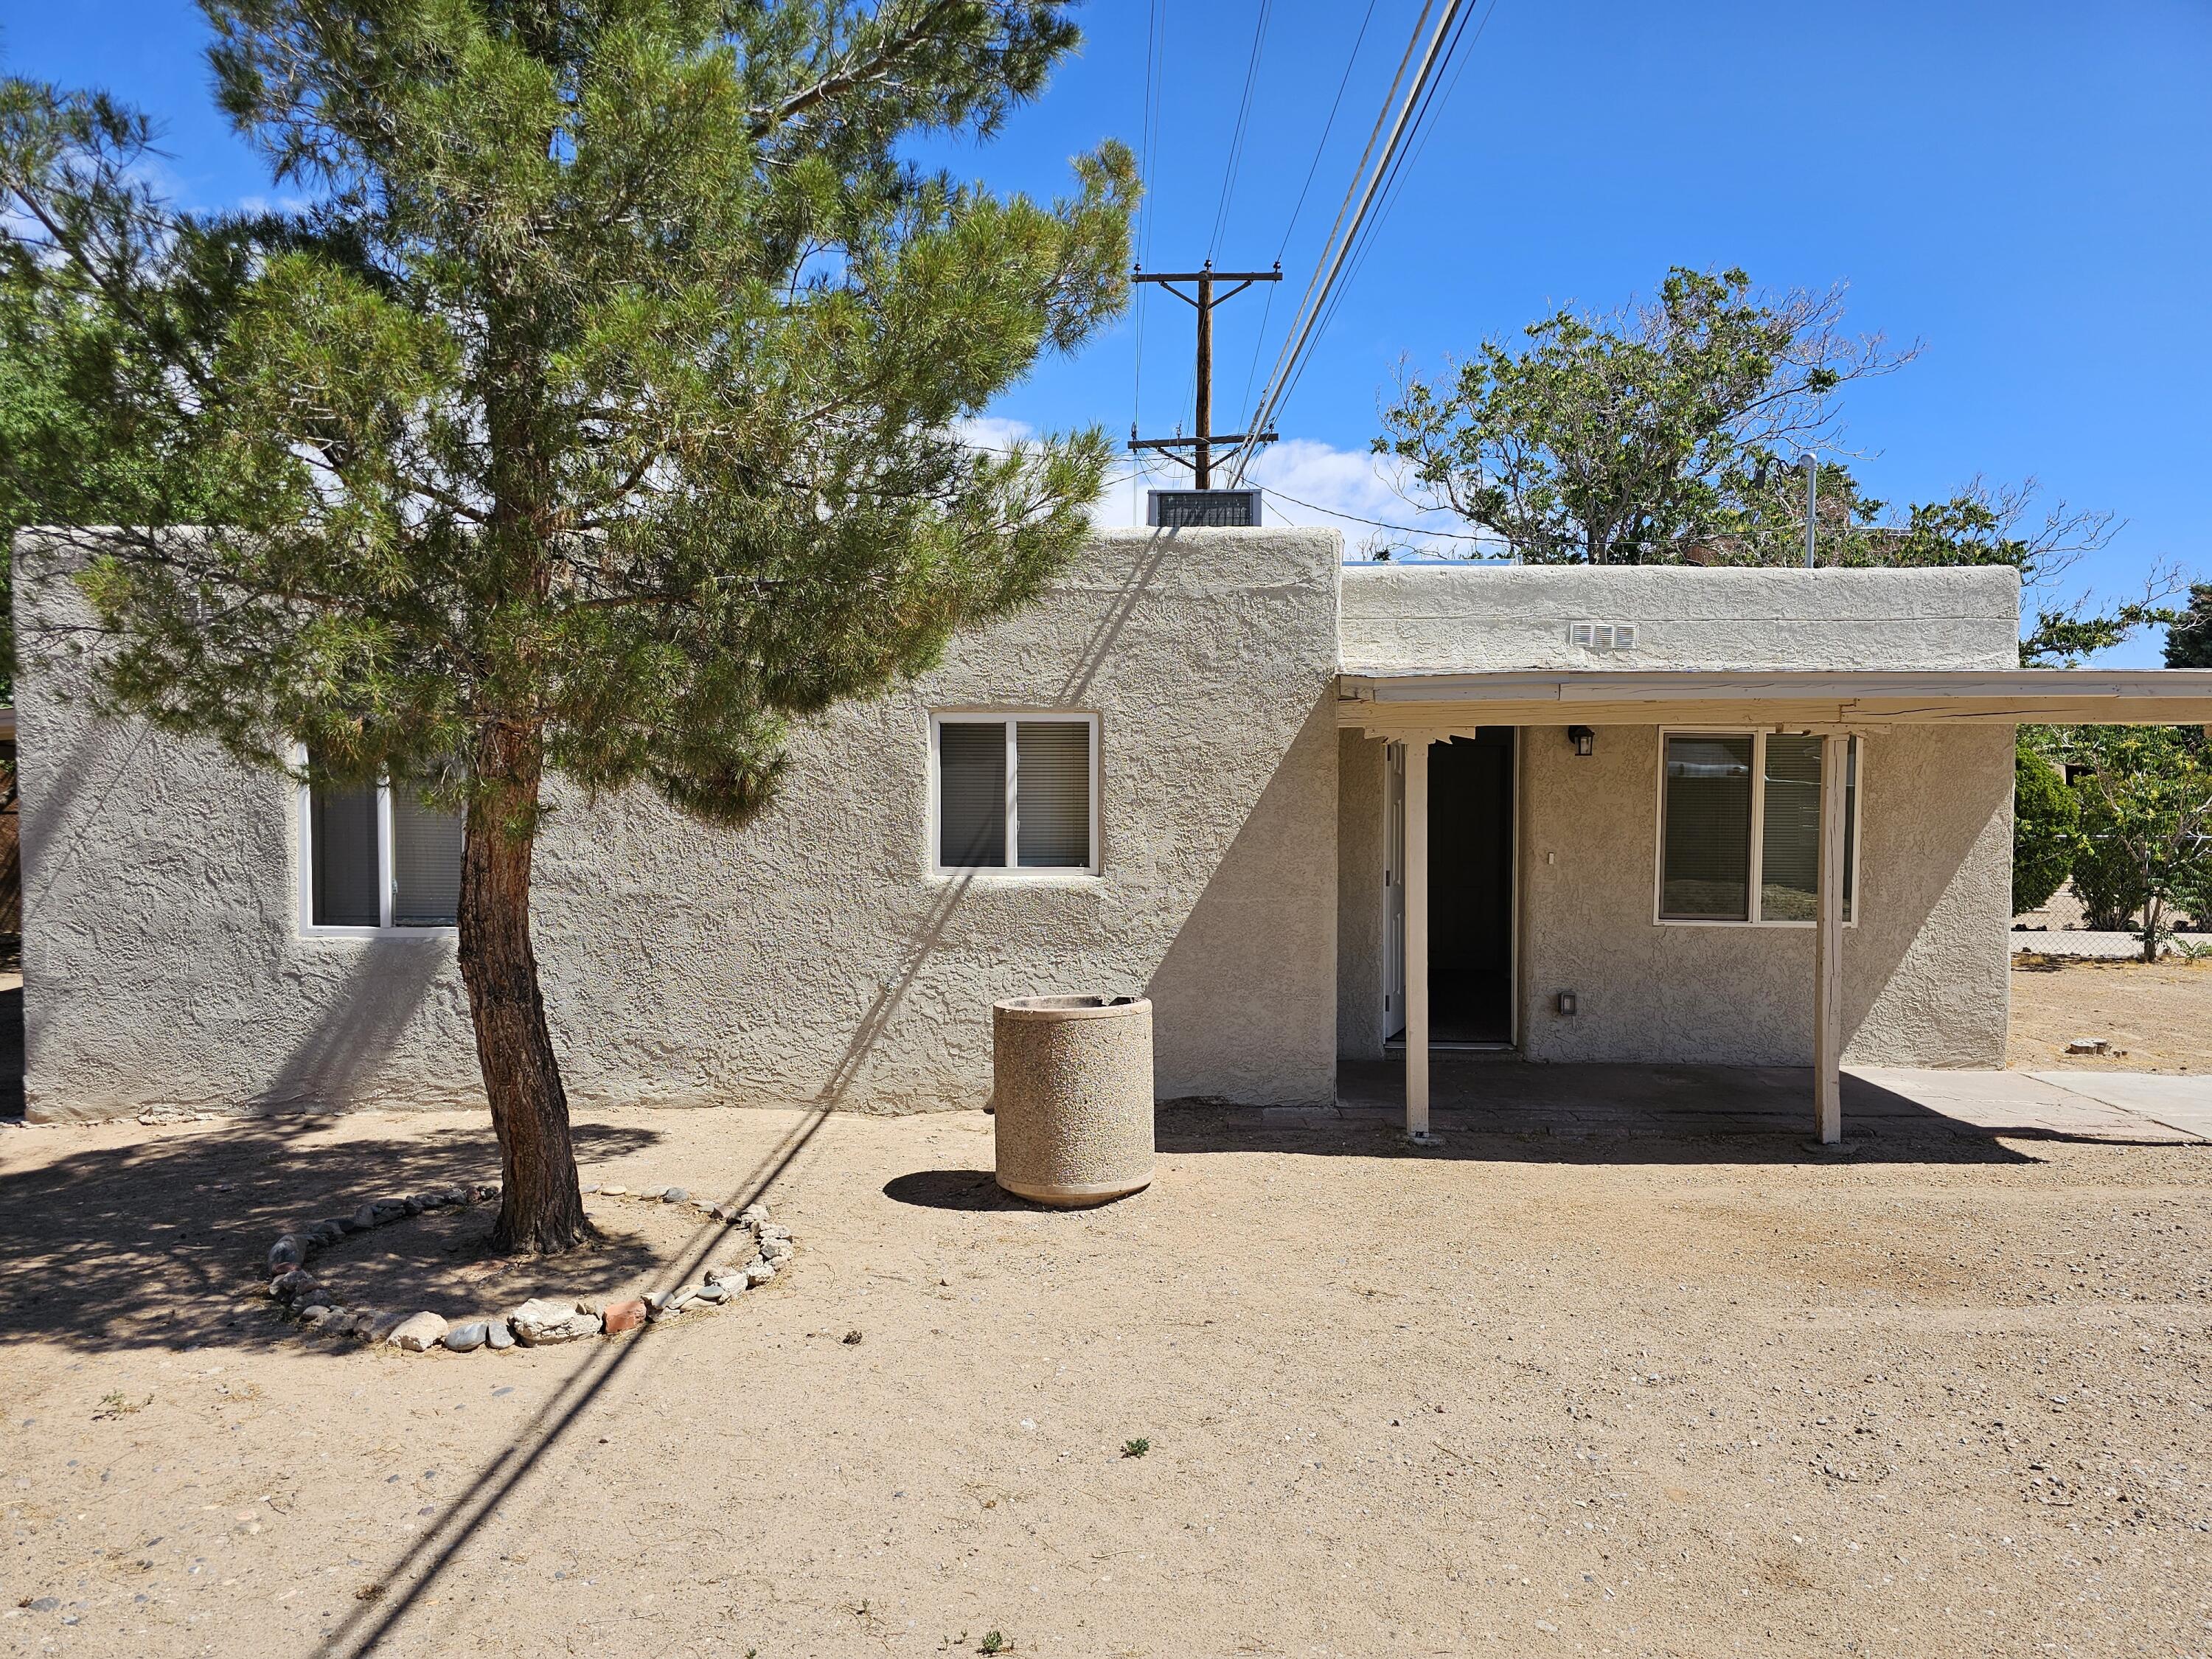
344	837
426	862
1015	792
376	856
1740	827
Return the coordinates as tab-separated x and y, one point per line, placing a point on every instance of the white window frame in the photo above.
1853	896
1009	718
387	871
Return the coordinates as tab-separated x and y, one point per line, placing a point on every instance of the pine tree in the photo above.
597	416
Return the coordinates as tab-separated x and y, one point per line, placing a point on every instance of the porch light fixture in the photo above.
1584	740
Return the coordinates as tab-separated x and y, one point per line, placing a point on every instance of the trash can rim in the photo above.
1090	1005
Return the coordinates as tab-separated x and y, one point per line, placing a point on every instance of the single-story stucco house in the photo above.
1311	810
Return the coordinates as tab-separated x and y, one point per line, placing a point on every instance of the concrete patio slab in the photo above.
1502	1094
2180	1102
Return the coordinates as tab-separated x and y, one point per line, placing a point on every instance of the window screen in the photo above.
971	794
1052	789
1789	838
426	862
343	835
1719	837
1706	869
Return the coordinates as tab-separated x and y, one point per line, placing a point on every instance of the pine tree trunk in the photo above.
541	1208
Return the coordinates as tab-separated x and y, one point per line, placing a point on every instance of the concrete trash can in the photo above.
1072	1081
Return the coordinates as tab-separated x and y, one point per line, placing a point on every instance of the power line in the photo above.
1351	59
1402	529
1326	127
1403	166
1237	138
1148	143
1340	239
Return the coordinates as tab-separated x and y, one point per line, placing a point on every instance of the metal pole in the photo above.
1812	509
1204	427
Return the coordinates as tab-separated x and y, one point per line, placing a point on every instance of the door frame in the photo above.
1394	898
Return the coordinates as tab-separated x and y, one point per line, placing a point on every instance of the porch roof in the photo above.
1387	701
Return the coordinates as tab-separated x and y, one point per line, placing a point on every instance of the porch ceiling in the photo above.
1387	703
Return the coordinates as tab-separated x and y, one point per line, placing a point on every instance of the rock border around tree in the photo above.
541	1321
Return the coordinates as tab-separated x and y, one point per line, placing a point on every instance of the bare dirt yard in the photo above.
2155	1017
1524	1395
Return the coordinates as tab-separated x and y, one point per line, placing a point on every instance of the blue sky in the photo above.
2022	186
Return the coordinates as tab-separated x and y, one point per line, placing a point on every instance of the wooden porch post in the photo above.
1417	935
1829	954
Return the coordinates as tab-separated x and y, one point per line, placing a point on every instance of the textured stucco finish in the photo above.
811	956
1362	920
1072	1105
1924	966
1445	617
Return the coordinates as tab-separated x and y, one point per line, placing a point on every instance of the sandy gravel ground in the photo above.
2156	1018
1696	1397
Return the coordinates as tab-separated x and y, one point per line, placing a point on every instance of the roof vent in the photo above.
1603	636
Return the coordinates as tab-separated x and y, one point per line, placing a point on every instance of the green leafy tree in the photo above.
2046	825
597	417
1627	439
2146	795
2188	636
1671	433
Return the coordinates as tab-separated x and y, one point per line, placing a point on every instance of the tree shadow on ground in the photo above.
164	1242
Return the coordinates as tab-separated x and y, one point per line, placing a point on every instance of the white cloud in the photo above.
991	432
1312	482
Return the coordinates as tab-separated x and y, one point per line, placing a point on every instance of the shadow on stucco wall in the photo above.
1099	646
335	1064
928	934
1245	998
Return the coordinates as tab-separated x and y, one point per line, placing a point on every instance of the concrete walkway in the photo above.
1501	1094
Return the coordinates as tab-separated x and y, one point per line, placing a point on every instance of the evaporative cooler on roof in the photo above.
1202	509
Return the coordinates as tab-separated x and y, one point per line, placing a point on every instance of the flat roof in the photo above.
2054	697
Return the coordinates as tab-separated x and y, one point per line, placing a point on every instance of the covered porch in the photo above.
1822	712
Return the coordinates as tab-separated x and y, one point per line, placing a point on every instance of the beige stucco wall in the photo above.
1362	832
1925	967
811	957
1508	617
1924	964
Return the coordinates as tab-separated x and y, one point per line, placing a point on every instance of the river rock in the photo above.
497	1337
289	1251
385	1324
542	1320
419	1332
716	1294
467	1336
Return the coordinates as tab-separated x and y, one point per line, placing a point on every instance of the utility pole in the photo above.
1204	440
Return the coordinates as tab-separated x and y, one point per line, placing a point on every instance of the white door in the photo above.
1394	893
